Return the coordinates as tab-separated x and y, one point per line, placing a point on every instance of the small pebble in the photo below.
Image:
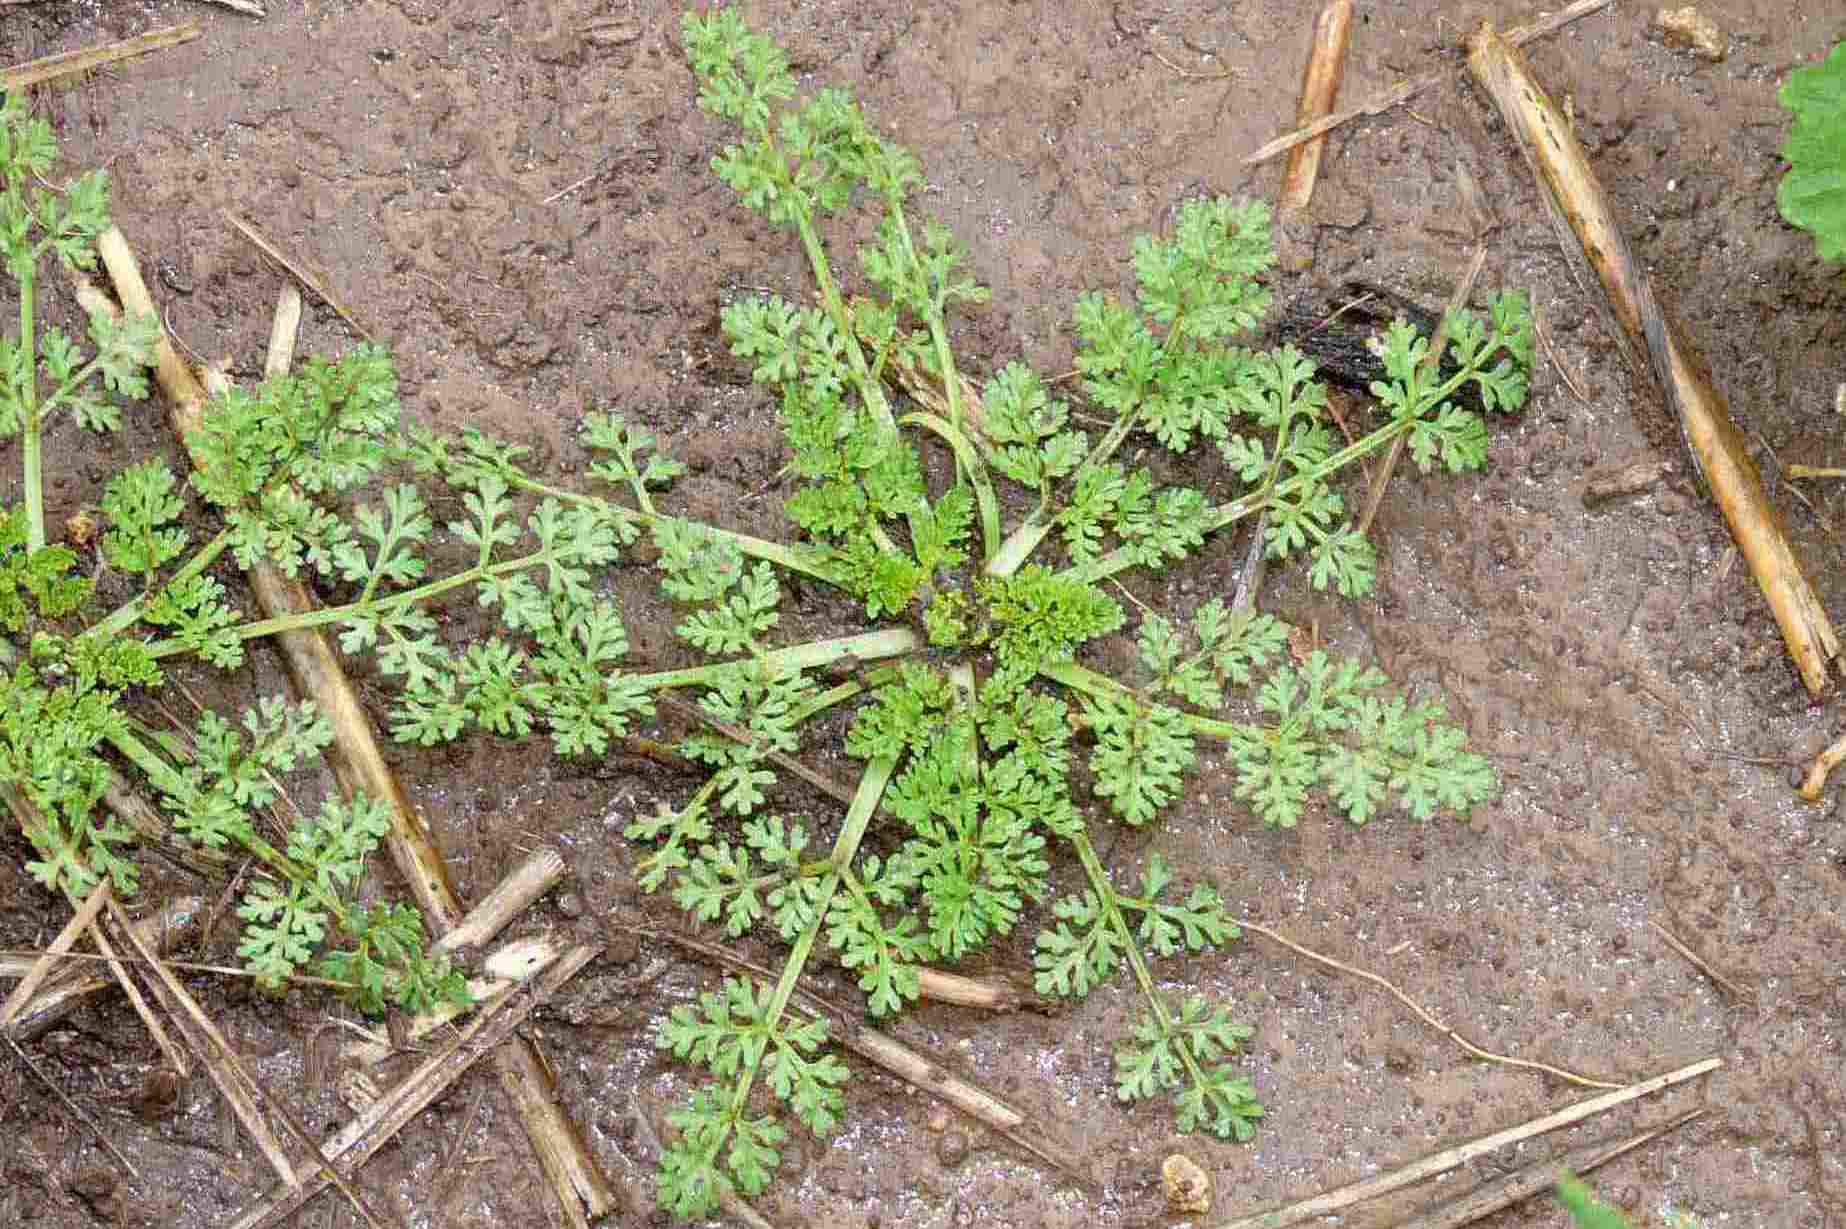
1690	29
1188	1187
952	1149
570	904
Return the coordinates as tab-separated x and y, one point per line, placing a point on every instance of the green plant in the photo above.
67	693
981	531
970	781
35	223
1588	1212
1812	194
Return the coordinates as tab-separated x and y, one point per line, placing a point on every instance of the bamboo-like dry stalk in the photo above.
582	1190
233	1082
284	325
1320	86
26	816
1344	1197
1503	1192
525	883
1404	91
507	965
300	271
355	1143
67	63
940	986
513	962
42	968
71	988
1655	343
234	1079
902	1061
1815	782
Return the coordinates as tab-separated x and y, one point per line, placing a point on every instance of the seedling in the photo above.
982	533
70	673
970	784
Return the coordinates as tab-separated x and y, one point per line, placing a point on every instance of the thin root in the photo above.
1475	1051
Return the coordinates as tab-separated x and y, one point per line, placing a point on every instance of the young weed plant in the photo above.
969	690
981	575
69	673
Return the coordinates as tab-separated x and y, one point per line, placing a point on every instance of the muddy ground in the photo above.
515	196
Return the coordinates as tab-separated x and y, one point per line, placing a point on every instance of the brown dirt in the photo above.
1624	678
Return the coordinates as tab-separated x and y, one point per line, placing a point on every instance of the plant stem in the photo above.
858	817
125	615
1111	904
867	646
824	700
336	614
1217	518
31	443
1112	440
976	470
1082	678
869	389
1018	547
938	331
808	563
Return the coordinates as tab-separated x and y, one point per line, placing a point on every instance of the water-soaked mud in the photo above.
515	196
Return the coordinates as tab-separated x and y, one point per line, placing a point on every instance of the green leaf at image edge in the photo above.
1812	194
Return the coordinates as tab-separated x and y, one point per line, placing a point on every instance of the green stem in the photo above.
870	390
807	562
64	390
858	817
1018	547
1217	518
1084	679
872	784
273	861
126	615
938	331
822	701
1112	911
1105	447
868	646
961	676
32	461
975	469
336	614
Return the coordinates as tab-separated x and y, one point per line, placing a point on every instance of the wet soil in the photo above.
516	198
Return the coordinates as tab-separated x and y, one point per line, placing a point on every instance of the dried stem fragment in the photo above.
1816	781
1449	1158
1417	1009
1518	36
1320	86
1537	1178
69	988
1655	343
69	63
355	1143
